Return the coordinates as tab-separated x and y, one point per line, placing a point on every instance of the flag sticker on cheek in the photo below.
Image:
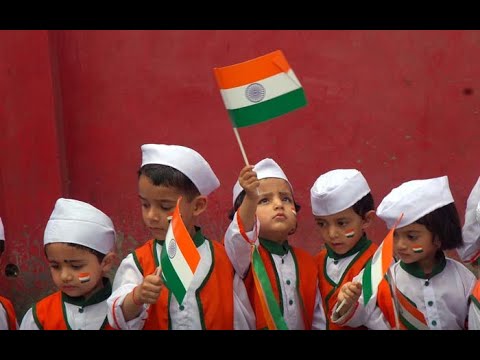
350	233
84	277
417	250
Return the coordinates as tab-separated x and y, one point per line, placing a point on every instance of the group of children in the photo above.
430	291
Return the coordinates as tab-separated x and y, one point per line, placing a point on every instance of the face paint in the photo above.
350	233
417	250
84	277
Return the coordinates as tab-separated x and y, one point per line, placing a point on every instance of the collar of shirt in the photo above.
101	295
274	247
414	269
362	244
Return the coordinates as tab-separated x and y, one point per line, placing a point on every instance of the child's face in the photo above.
276	210
158	203
414	243
75	271
341	231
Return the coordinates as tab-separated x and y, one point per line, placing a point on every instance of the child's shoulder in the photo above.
456	265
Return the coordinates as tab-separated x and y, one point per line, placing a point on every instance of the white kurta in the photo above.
90	317
238	250
3	318
474	315
443	299
185	317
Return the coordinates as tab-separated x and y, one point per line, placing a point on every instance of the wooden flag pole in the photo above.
237	135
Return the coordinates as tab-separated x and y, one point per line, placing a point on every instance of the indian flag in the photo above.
179	257
259	89
84	277
378	266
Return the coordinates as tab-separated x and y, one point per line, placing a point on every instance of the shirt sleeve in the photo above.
244	316
127	277
238	245
28	322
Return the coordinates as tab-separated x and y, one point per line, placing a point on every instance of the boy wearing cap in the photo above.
140	299
79	241
431	291
265	214
470	251
8	319
343	208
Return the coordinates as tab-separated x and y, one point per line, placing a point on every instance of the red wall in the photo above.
396	105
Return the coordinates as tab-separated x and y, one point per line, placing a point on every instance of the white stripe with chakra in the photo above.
377	271
273	86
176	258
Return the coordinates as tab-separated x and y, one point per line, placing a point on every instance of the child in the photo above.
168	172
79	241
470	251
431	291
8	319
342	206
265	213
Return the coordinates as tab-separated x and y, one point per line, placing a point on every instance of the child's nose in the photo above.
66	276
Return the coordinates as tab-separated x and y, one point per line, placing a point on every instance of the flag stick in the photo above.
237	135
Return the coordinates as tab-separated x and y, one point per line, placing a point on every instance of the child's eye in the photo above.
166	208
263	201
412	237
77	267
145	205
321	224
287	199
342	223
53	266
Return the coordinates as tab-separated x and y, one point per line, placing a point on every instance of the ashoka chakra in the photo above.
172	249
255	92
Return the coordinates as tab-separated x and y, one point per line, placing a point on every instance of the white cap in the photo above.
77	222
266	168
471	228
2	231
414	199
186	160
337	190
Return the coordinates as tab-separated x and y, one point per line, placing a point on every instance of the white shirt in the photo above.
184	317
474	316
238	250
443	299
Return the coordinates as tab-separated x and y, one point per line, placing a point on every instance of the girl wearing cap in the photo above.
264	214
79	241
431	291
343	209
8	319
470	251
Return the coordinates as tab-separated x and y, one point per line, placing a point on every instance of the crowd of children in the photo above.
254	278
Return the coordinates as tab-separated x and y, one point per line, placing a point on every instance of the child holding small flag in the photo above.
195	288
470	251
430	290
8	319
79	241
281	280
342	206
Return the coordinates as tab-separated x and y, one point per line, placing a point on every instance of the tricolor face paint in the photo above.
84	277
350	233
417	250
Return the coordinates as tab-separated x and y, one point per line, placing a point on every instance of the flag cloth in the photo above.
270	307
179	257
378	266
259	89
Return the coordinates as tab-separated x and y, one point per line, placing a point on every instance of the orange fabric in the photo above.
307	280
216	296
49	312
11	317
326	287
252	70
385	302
476	290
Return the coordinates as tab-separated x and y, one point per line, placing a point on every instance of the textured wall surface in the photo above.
77	105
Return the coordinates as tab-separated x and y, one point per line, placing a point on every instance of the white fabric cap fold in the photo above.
471	227
2	231
337	190
76	222
186	160
266	168
415	198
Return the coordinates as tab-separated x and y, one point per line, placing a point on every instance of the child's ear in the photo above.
368	219
199	205
108	262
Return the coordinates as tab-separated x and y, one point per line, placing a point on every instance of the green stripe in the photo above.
35	317
272	304
406	323
475	301
269	109
367	282
172	280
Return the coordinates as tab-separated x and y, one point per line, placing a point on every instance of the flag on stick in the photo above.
259	89
179	257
